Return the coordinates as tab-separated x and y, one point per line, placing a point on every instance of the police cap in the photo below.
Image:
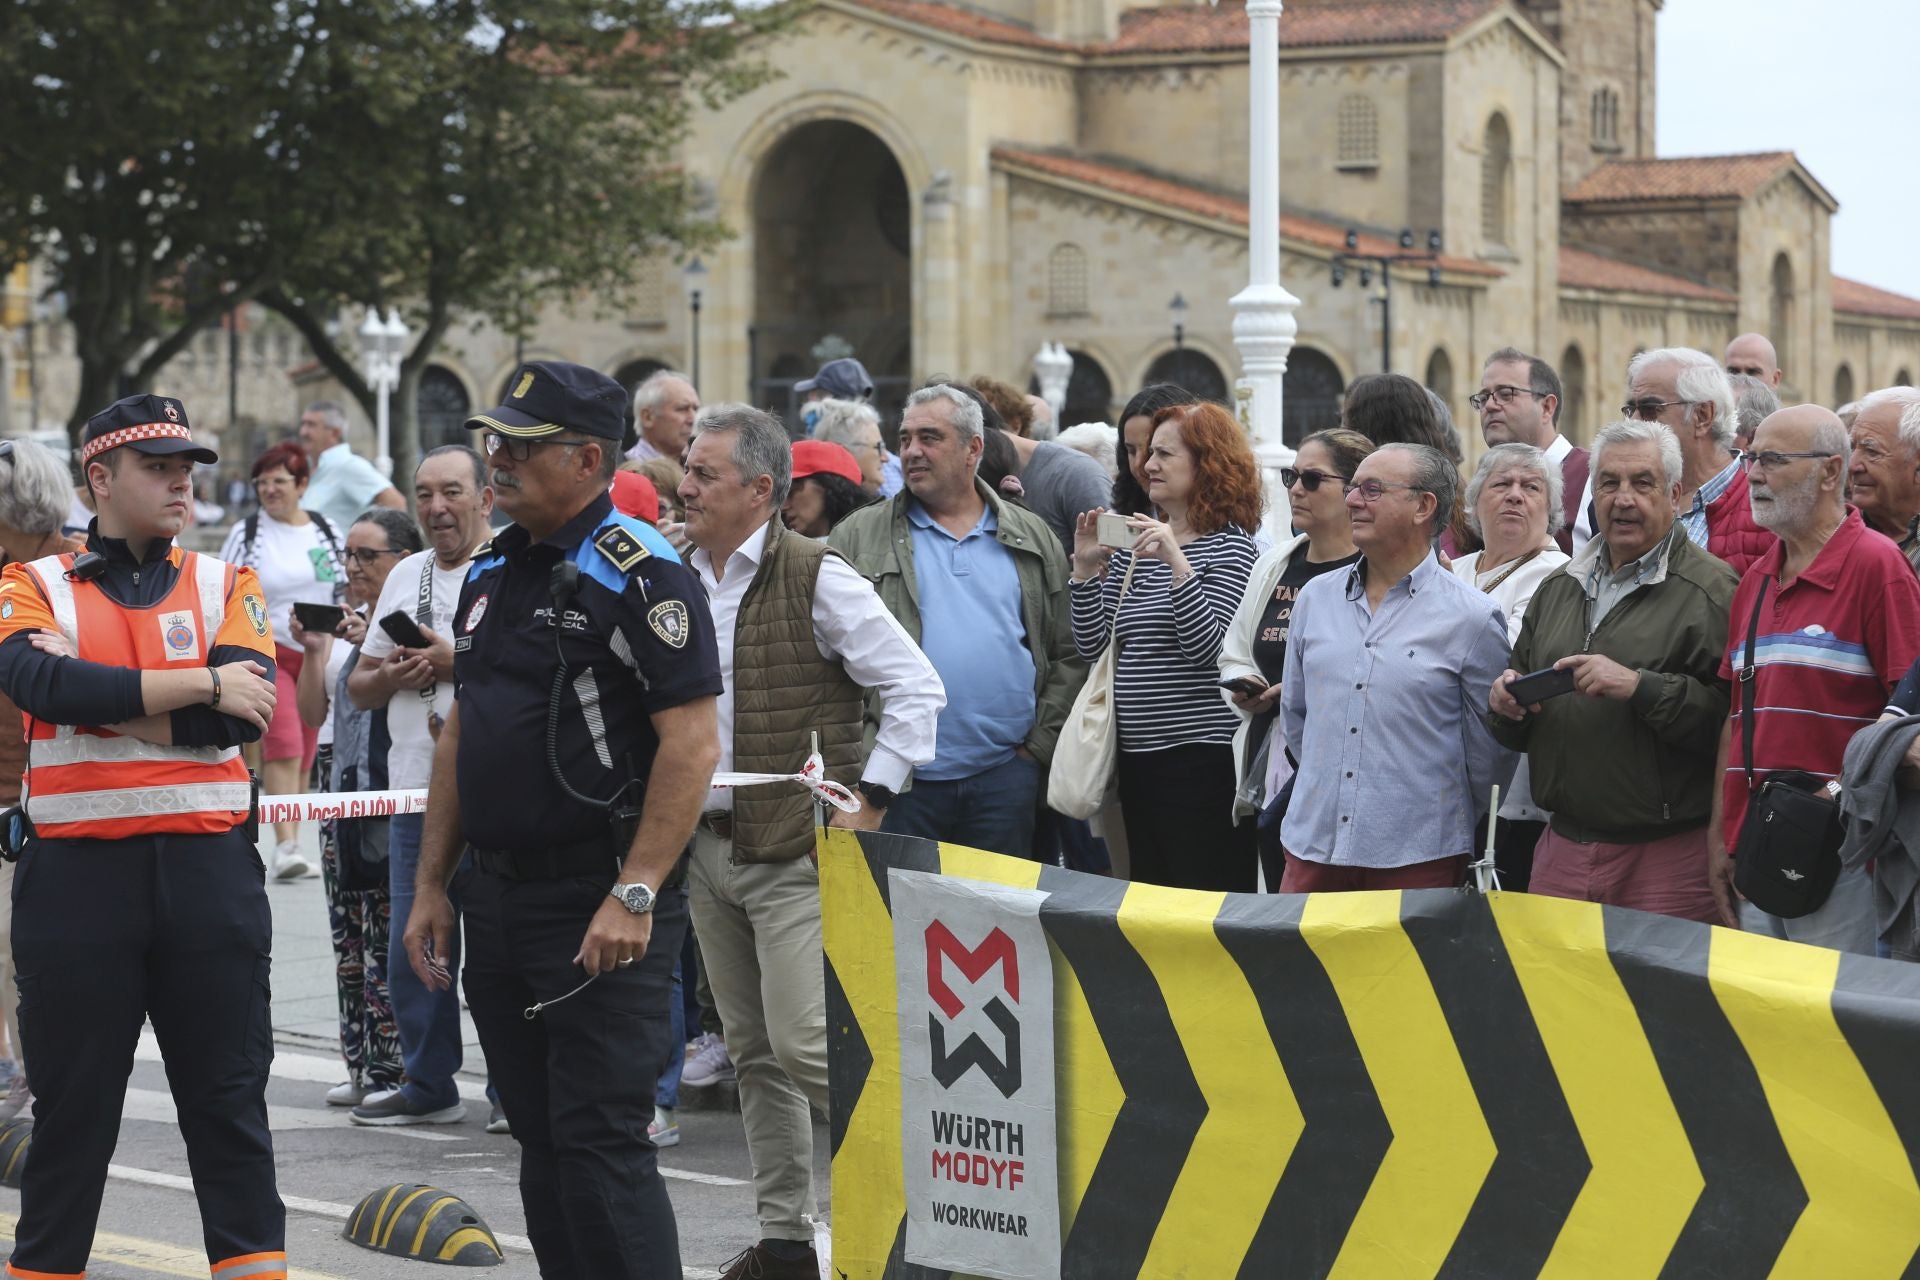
148	423
547	397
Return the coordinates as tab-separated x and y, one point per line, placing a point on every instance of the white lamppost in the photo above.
1053	370
1263	325
382	344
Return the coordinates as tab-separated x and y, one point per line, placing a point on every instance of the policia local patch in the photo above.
669	621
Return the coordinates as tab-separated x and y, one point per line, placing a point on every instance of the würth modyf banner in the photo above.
1037	1073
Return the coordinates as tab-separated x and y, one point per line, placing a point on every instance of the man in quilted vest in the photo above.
802	639
1688	392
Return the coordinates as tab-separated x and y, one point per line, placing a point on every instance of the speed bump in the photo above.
15	1136
413	1220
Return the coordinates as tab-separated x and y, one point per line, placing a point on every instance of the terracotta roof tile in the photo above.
966	23
1580	269
1196	28
1680	178
1855	298
1209	204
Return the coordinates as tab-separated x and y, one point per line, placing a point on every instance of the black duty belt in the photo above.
590	858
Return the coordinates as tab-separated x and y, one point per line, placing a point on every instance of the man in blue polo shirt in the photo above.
981	586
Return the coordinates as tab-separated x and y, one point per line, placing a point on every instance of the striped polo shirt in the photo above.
1831	647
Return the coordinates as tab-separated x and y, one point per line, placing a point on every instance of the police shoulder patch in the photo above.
621	547
669	621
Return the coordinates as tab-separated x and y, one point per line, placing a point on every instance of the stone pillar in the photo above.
1263	324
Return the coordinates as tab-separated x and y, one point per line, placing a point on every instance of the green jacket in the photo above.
1629	772
878	540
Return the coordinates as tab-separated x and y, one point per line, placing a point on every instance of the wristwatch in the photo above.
636	898
876	795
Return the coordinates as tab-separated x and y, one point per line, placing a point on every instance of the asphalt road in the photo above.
149	1224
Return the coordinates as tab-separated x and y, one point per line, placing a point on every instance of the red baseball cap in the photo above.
634	495
817	457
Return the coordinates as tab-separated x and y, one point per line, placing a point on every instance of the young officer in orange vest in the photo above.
139	669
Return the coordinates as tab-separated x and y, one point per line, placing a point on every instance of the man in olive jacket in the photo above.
981	585
1625	762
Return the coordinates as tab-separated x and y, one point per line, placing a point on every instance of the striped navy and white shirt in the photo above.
1166	677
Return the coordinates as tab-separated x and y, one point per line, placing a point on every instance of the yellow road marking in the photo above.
153	1256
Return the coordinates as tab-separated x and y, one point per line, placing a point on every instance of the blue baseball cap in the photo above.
844	379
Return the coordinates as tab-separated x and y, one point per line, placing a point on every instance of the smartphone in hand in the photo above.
1245	686
1538	686
402	630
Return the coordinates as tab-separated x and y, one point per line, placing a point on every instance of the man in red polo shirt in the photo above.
1839	625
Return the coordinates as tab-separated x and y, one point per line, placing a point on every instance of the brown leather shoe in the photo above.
758	1263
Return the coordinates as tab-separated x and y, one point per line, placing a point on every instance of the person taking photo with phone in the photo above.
1254	653
1624	760
296	554
414	683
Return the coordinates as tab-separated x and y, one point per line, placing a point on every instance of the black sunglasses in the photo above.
1309	480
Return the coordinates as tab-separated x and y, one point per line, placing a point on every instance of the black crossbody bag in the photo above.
1788	854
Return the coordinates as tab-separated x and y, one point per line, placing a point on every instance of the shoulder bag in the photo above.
1788	854
1082	772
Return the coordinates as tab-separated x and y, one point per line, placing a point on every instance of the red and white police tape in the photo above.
385	804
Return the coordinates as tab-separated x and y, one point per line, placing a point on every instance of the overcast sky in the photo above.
1832	81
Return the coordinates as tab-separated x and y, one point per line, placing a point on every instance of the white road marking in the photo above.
156	1105
306	1067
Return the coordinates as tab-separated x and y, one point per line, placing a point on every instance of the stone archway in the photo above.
1311	392
833	262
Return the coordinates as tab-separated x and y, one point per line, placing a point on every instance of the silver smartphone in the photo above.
1114	530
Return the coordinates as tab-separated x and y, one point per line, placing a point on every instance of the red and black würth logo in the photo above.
1002	1068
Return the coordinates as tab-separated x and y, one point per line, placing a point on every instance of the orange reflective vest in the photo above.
93	784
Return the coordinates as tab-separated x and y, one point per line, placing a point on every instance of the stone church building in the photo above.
940	187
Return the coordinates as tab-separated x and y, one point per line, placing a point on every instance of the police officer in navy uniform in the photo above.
140	668
575	764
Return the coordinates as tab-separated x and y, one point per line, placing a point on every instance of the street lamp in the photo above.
1177	313
1384	262
694	273
382	344
1053	370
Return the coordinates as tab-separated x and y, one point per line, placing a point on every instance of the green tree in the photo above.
450	157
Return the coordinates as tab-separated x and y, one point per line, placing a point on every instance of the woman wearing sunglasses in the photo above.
1255	649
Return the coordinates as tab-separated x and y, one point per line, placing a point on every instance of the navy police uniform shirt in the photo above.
638	638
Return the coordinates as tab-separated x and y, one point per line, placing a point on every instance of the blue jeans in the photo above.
429	1021
992	810
666	1091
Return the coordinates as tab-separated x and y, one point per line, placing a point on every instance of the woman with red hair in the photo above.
297	556
1189	567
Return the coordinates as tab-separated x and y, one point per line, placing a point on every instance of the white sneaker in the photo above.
288	864
348	1093
707	1062
665	1130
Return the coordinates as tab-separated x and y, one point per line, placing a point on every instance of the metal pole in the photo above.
233	366
1386	318
696	339
381	420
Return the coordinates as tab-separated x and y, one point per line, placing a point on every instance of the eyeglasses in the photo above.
1309	480
367	555
1371	490
1771	460
1504	394
1648	410
520	450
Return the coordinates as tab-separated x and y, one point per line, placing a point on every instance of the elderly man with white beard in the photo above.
1835	612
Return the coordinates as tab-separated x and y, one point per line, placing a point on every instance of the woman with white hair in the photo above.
35	492
1514	507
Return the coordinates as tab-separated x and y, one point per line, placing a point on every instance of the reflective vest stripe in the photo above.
90	748
142	802
52	573
210	577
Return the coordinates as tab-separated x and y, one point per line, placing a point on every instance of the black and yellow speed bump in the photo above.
413	1220
15	1137
1406	1085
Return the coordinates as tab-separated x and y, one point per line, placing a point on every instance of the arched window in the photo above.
634	372
1440	376
1842	386
1358	138
1496	181
1309	395
1089	392
1191	369
1903	379
443	405
1780	310
1573	383
1605	123
1067	281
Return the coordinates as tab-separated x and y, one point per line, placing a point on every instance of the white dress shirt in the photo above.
850	625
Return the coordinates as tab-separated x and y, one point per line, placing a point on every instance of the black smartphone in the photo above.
319	617
402	629
1245	686
1541	685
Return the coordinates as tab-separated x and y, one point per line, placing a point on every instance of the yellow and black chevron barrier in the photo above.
412	1220
1039	1073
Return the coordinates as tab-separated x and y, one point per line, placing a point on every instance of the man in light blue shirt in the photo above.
1388	665
344	484
981	586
